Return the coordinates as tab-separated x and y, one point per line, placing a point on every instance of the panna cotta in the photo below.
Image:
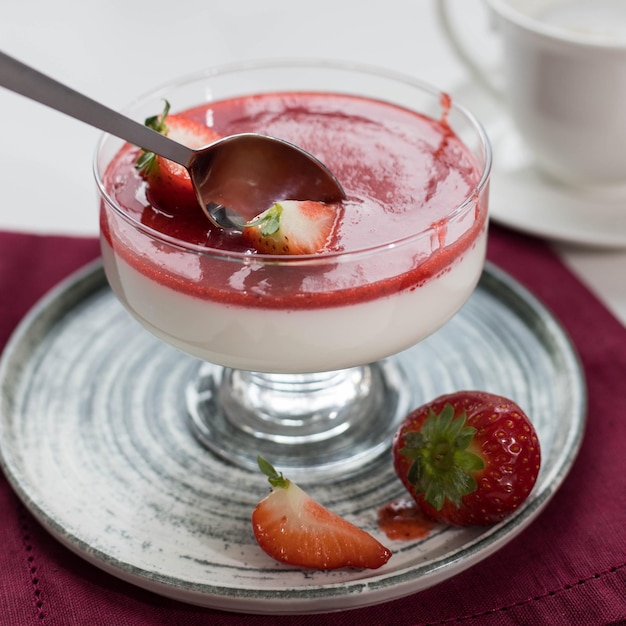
408	250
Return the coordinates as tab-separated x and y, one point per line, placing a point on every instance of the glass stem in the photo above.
328	422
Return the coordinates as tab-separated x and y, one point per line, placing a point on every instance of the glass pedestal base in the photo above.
329	422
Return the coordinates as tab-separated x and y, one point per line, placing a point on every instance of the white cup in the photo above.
564	71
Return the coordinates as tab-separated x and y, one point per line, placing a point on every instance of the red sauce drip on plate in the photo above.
402	520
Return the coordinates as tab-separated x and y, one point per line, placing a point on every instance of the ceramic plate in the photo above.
524	199
94	441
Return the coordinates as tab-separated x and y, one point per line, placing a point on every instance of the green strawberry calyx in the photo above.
276	479
146	160
442	467
269	220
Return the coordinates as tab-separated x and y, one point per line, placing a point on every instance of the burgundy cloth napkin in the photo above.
568	567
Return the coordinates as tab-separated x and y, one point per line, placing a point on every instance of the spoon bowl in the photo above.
239	176
235	178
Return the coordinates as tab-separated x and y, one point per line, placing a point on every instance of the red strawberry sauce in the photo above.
402	520
402	172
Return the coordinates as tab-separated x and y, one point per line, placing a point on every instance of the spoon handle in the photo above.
27	81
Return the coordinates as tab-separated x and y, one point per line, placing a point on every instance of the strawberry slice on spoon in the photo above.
293	528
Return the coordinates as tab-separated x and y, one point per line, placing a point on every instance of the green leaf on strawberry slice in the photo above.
269	220
146	159
275	478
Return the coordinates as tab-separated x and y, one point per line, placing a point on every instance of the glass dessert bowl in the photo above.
296	352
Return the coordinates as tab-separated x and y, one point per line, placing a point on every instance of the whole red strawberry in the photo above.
469	457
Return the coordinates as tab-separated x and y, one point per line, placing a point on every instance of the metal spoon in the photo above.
235	178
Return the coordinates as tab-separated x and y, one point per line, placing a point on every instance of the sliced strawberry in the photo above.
169	185
293	227
293	528
469	457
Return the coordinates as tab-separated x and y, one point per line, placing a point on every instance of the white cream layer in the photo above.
298	340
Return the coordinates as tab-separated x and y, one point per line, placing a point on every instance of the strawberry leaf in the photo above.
157	122
275	479
146	159
442	468
269	220
145	162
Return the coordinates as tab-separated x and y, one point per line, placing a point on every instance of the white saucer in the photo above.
524	199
